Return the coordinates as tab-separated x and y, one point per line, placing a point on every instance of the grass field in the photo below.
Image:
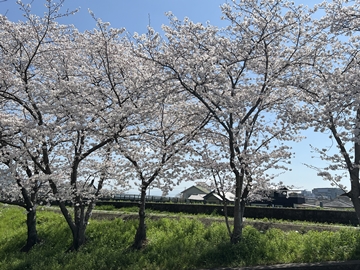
173	244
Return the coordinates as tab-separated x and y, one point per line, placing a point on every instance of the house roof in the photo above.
202	190
228	195
197	197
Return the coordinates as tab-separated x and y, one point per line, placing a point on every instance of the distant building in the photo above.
213	197
330	193
194	190
307	193
201	194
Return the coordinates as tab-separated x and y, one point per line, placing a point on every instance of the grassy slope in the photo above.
173	244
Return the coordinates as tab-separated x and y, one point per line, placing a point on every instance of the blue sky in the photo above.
134	15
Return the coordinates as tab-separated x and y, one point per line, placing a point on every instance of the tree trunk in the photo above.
30	206
78	228
355	189
77	225
140	237
32	236
354	173
356	203
238	218
79	237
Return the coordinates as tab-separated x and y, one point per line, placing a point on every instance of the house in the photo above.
201	194
215	198
194	190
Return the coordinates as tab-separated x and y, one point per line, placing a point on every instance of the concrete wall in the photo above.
323	216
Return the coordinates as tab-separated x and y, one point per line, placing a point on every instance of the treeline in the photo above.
80	110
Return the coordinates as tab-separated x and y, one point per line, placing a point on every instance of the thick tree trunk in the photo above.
238	218
239	208
140	237
353	168
354	171
77	225
355	189
79	237
356	203
78	228
32	236
30	206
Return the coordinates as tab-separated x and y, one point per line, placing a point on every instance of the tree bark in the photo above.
78	227
30	206
239	207
356	202
32	236
238	220
140	236
353	167
79	237
354	177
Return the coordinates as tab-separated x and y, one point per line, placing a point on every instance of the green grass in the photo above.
219	217
135	210
299	222
105	207
173	244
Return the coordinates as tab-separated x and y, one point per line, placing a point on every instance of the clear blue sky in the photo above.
134	15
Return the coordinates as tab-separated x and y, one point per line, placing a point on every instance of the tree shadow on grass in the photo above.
230	255
220	255
12	243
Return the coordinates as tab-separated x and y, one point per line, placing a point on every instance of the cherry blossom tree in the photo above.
97	93
20	185
66	121
156	151
20	45
329	78
240	76
212	166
